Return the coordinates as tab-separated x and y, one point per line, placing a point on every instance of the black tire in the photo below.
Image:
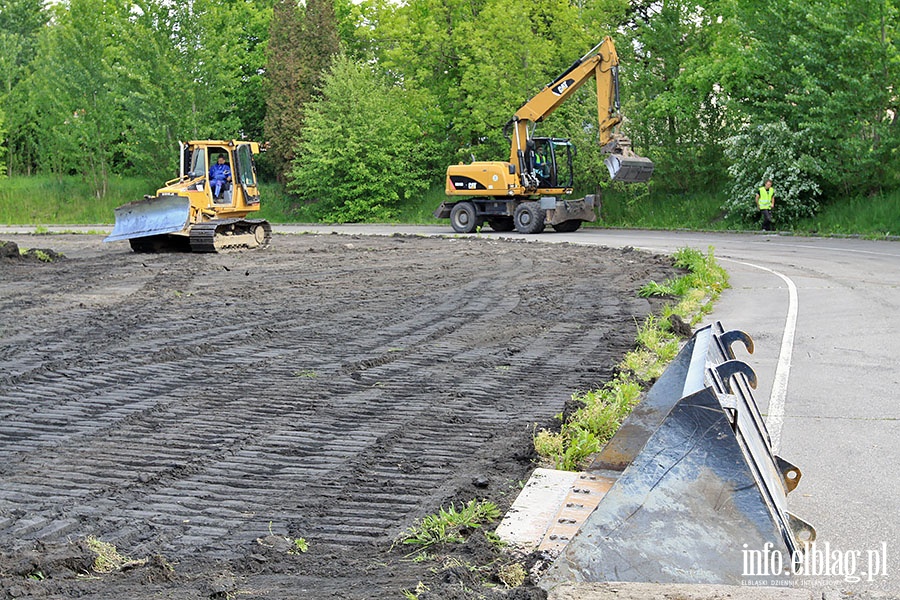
568	226
502	223
529	217
463	218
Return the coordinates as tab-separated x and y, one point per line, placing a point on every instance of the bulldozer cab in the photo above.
202	161
552	162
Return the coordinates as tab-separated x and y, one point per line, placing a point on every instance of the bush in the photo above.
773	152
363	150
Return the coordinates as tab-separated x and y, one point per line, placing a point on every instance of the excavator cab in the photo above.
201	163
552	162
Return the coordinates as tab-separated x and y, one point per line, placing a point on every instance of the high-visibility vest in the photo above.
765	198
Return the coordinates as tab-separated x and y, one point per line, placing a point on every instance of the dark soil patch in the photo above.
192	410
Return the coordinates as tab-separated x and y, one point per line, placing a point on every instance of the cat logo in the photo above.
562	87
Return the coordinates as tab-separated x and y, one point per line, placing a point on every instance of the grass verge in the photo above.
602	411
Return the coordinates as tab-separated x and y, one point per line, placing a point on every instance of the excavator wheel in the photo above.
529	217
463	218
568	226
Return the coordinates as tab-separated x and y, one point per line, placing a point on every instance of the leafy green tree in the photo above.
230	61
20	24
195	71
361	152
773	151
284	72
830	69
478	62
670	91
79	102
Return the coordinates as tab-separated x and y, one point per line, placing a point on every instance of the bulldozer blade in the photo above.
629	169
168	213
700	496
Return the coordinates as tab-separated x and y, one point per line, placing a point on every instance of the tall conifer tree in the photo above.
302	44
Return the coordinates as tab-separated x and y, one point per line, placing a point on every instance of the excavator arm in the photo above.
601	63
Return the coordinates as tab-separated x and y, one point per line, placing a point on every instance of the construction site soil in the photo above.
203	412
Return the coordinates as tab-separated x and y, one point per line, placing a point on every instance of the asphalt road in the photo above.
824	314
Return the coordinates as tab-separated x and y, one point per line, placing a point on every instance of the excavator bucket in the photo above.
629	169
166	213
698	494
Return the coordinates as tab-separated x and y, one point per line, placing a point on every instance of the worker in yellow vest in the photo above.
765	200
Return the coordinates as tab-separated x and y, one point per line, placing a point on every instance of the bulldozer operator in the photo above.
219	177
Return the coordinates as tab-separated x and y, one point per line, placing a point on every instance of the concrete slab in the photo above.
653	591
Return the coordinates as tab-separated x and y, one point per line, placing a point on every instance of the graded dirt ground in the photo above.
201	412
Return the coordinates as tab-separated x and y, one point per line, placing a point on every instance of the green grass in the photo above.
643	207
68	201
874	217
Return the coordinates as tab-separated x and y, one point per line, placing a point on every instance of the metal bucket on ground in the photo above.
699	496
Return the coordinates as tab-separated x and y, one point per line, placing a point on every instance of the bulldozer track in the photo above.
222	235
331	388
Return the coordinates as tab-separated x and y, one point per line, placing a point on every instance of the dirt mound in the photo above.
10	251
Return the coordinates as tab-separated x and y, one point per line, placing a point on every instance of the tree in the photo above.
362	149
20	23
831	70
302	44
79	99
670	91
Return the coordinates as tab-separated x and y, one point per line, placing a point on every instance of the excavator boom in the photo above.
601	63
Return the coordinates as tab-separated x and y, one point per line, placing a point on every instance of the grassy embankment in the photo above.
43	200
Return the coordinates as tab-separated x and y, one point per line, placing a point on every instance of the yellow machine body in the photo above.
540	168
186	207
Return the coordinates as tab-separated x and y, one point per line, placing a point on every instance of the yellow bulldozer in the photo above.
524	193
205	208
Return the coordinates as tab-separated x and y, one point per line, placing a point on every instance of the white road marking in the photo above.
775	416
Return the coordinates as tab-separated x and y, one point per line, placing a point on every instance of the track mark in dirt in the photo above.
329	388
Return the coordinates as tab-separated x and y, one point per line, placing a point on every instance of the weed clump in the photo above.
450	525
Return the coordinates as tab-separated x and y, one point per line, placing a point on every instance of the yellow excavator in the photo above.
523	194
204	209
